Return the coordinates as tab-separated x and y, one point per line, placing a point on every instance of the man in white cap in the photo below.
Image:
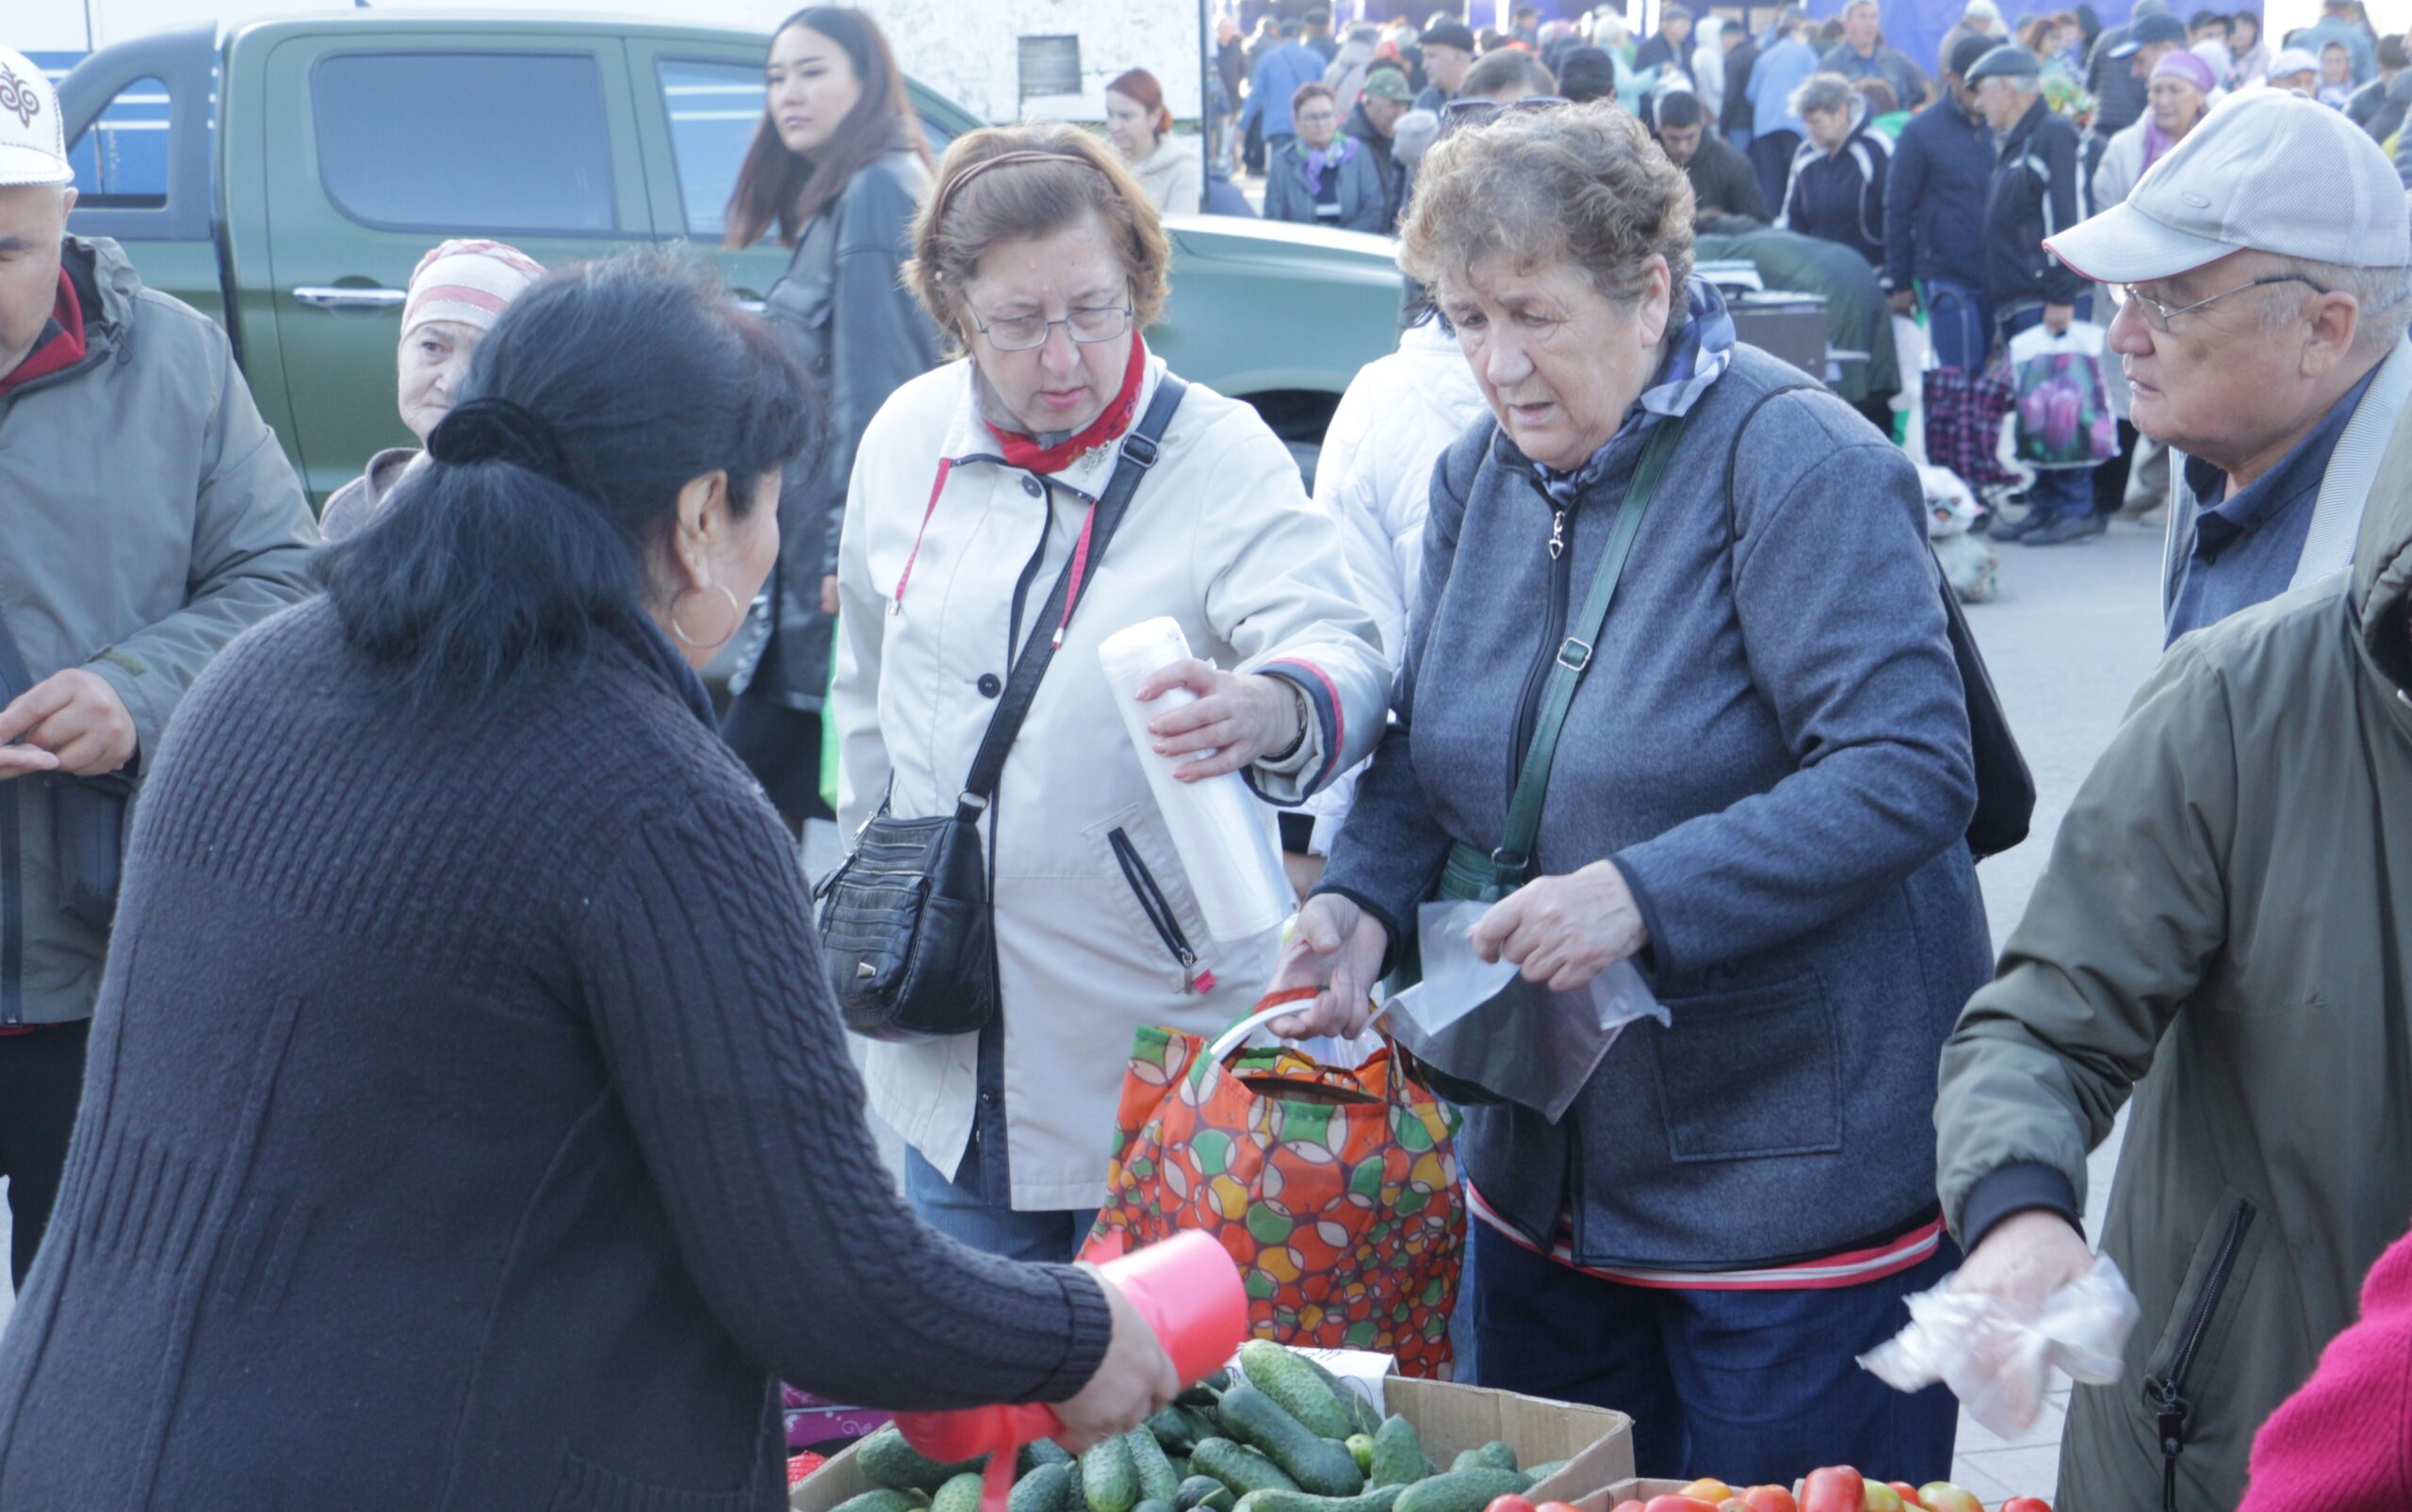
2264	270
148	518
1981	19
2294	68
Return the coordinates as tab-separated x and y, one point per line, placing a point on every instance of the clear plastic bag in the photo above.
1478	1022
1999	1363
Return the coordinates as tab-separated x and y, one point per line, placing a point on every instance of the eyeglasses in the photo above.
1028	332
2158	315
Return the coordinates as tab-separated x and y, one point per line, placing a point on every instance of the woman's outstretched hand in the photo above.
1134	1382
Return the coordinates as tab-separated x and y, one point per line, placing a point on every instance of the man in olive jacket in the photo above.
2229	907
147	516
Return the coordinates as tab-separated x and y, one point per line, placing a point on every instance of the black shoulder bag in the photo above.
87	816
2005	787
907	928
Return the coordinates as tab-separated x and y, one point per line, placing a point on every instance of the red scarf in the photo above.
62	341
1023	452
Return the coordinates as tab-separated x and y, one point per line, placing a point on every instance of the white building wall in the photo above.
970	50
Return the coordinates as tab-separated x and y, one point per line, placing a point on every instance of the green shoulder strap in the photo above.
1515	852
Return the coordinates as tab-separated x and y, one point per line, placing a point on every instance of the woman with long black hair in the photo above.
838	169
466	1047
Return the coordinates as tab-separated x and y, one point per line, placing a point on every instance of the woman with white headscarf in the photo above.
457	293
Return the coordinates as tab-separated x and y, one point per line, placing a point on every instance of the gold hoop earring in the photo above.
734	625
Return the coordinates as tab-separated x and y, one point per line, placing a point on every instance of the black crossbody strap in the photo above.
14	679
1139	452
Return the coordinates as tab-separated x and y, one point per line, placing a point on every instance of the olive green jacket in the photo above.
147	517
2224	930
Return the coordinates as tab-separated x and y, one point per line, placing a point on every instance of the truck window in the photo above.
506	142
121	161
713	109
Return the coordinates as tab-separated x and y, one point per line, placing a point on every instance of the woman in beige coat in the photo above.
1042	261
1172	171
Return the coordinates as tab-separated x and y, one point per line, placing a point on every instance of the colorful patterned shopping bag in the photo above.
1335	1190
1963	416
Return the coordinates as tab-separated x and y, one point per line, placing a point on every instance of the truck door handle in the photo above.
342	298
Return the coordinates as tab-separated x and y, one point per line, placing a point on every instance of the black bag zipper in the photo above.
1158	908
1562	570
2167	1393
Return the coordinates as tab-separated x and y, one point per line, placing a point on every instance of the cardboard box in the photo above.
1596	1444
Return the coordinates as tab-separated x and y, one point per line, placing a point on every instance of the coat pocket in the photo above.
2187	1353
1751	1072
1159	914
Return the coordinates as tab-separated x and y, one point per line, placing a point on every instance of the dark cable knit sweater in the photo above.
468	1126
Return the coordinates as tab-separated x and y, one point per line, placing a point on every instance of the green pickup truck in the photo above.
310	162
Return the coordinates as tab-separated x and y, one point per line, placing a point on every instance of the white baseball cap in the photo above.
2267	170
2292	62
33	134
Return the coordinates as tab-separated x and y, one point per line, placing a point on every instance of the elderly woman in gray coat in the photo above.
1324	178
1759	796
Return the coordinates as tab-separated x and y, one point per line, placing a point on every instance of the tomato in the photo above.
1941	1496
1770	1499
1708	1488
1556	1507
1628	1507
1876	1496
1679	1503
1834	1488
2027	1504
1909	1495
1510	1504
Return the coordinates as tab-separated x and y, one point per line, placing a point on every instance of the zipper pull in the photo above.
2175	1410
1200	983
1557	534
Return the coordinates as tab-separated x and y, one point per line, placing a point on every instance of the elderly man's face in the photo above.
1445	65
33	219
2220	382
1859	27
2000	104
1681	143
1383	114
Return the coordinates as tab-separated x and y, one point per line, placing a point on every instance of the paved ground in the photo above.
2073	632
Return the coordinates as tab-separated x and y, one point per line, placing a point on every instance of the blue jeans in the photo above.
1749	1386
957	1210
1957	323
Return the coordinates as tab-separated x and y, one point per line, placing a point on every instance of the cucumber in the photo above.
1173	1432
1399	1455
884	1499
1543	1472
1047	1489
1197	1491
888	1460
1109	1482
1361	1449
1364	1416
961	1493
1152	1505
1380	1499
1157	1481
1240	1468
1320	1466
1299	1384
1046	1451
1463	1491
1498	1455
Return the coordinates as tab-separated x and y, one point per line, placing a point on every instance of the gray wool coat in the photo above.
1772	747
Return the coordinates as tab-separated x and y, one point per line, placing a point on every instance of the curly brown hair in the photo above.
1581	183
971	211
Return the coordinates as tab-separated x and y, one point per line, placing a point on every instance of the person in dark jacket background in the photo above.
1322	178
1935	216
466	1027
839	168
2110	74
1734	111
1372	125
1722	179
1774	708
2033	195
1836	187
1670	44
